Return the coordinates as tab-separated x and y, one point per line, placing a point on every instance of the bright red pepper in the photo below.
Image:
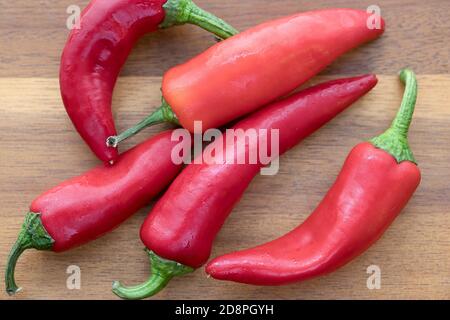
95	53
375	184
255	67
180	230
85	207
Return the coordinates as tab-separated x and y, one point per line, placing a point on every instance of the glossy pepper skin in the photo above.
375	184
257	66
95	53
183	224
84	208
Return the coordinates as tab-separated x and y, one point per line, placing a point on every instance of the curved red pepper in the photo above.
95	53
185	221
92	204
375	184
255	67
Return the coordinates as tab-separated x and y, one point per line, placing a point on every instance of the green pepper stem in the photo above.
162	271
395	139
163	114
186	11
32	235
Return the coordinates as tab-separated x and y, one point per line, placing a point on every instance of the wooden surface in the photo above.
40	149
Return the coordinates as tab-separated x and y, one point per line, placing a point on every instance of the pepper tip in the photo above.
13	291
112	142
115	285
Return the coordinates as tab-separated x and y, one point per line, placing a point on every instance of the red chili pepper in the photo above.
92	204
180	230
255	67
375	184
95	54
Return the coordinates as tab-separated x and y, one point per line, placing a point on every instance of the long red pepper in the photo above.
375	184
180	230
92	204
255	67
95	53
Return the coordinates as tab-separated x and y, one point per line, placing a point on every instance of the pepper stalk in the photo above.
186	11
395	139
163	114
162	271
32	236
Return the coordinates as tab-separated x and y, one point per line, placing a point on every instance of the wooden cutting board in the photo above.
39	149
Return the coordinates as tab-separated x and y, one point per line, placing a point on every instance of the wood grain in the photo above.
33	33
40	149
